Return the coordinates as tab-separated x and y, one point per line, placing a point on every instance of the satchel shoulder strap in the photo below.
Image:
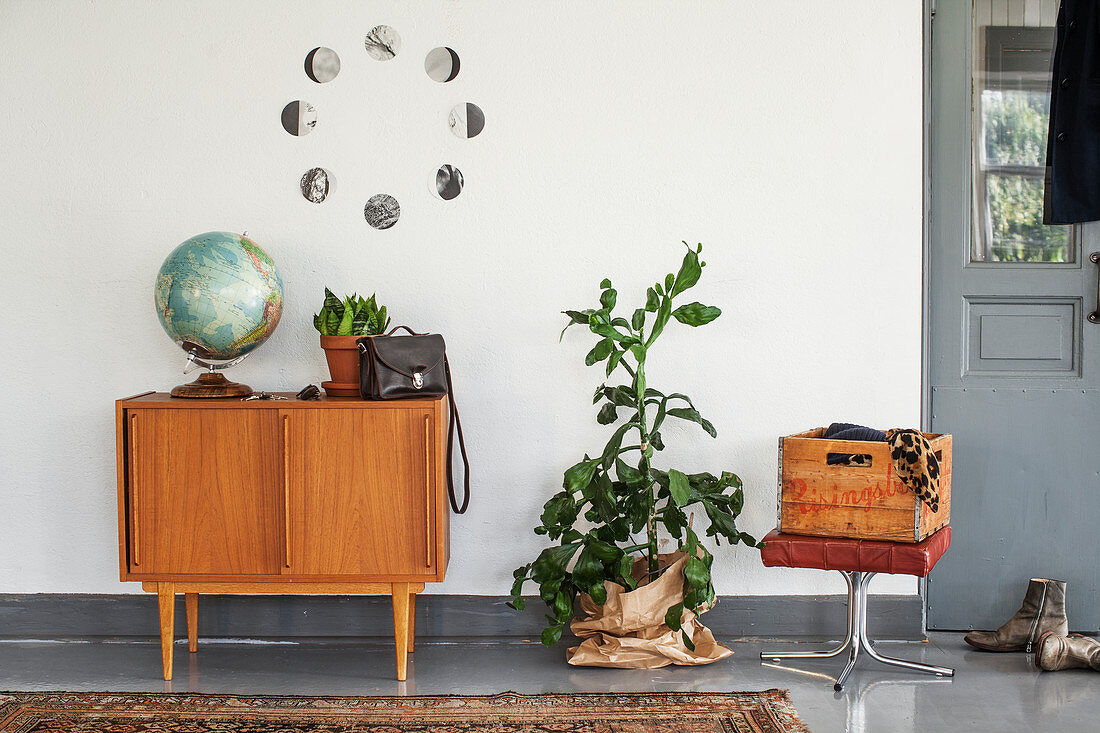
455	421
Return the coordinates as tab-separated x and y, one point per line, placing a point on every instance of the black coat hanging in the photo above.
1072	192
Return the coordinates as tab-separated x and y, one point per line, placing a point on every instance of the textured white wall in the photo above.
784	135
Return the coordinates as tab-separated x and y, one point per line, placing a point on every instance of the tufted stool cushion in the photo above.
861	556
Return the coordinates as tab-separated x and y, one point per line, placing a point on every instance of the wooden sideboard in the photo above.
336	495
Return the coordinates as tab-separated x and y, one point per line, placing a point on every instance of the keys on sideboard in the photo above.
263	396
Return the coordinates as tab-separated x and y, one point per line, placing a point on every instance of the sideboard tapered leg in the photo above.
166	602
192	601
412	623
400	594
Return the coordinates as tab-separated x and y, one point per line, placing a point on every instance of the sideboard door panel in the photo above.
359	492
204	491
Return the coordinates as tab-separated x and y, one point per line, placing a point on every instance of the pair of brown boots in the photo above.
1040	626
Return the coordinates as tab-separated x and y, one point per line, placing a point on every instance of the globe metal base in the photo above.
212	384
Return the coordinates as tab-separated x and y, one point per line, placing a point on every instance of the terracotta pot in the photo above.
342	353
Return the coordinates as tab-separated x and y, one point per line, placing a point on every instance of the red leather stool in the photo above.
858	561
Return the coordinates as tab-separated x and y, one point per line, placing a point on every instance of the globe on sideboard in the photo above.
219	296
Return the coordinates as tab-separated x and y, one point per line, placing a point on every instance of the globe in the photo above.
218	296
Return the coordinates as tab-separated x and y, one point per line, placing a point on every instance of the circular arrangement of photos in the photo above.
383	43
299	118
441	64
316	185
466	120
322	65
447	182
382	211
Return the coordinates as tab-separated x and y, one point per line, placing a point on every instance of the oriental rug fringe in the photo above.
769	711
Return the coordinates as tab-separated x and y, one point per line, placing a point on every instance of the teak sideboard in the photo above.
336	495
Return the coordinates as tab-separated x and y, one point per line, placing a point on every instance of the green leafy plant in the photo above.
619	493
352	316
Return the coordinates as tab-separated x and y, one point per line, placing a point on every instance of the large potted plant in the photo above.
610	502
341	324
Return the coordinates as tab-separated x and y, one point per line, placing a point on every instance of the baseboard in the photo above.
48	616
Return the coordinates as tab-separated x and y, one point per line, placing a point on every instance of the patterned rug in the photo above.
673	712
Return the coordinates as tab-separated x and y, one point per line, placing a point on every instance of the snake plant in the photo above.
352	316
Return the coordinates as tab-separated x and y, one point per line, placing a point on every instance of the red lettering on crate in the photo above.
811	500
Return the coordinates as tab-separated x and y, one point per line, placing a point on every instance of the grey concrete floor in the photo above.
990	692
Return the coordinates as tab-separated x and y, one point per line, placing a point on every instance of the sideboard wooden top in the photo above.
165	400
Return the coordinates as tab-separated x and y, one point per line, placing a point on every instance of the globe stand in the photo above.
212	384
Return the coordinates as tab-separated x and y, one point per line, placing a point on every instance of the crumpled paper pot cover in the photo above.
629	630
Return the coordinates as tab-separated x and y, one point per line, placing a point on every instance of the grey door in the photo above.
1014	364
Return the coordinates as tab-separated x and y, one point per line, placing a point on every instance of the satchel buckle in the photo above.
418	380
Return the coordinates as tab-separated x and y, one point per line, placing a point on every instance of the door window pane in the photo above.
1011	83
1014	127
1016	231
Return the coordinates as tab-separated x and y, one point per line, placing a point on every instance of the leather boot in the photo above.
1067	652
1043	610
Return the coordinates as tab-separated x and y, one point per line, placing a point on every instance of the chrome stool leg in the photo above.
856	639
849	638
857	613
894	661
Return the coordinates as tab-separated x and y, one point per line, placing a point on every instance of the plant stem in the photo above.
643	465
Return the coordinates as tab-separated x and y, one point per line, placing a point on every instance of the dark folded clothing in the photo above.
838	426
850	431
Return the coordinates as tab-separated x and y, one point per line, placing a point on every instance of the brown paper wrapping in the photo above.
629	630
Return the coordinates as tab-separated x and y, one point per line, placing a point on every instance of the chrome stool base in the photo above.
856	641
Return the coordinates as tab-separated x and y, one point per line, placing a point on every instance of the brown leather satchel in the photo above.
395	367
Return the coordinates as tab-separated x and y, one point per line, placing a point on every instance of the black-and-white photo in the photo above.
382	43
441	64
448	182
466	120
316	184
382	211
299	118
322	65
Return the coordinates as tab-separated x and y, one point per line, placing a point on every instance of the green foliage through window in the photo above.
1014	116
1016	219
1015	127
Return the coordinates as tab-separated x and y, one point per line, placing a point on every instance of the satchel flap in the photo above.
410	354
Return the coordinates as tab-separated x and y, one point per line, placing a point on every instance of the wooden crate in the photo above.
858	502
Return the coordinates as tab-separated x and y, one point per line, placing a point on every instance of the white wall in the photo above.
784	135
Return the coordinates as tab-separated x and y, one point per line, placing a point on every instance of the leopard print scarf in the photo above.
916	465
